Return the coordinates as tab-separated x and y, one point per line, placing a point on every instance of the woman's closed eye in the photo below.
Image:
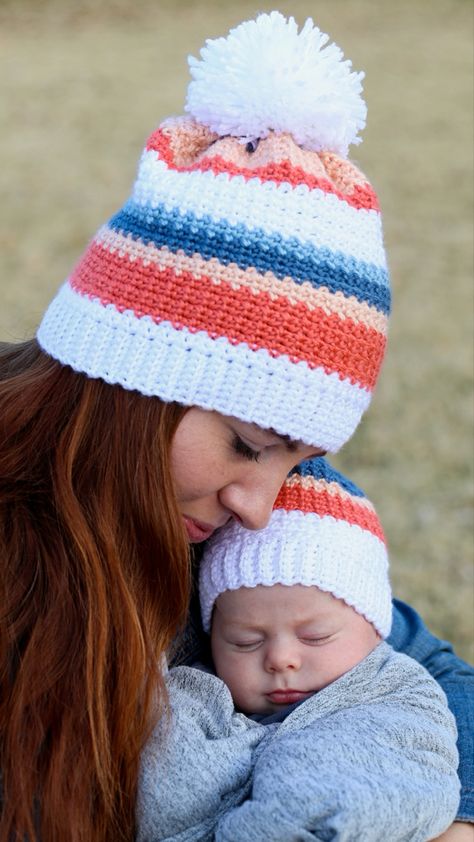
241	447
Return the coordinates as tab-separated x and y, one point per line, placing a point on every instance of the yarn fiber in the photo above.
246	279
323	531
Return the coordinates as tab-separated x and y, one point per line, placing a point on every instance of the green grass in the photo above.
83	85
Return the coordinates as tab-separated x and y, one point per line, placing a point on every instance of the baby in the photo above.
312	727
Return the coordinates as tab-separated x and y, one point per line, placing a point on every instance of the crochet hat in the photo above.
246	273
323	531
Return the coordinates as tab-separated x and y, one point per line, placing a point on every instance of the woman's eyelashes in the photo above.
241	447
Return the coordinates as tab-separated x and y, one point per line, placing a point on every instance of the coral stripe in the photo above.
193	369
352	351
363	196
334	488
217	272
323	503
246	247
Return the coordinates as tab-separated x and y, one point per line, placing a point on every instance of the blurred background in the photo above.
83	84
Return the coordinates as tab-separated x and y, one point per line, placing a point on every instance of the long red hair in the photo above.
94	583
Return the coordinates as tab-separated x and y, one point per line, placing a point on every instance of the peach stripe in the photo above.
333	488
331	303
354	193
240	315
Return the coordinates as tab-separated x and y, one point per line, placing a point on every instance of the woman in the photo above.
97	577
227	323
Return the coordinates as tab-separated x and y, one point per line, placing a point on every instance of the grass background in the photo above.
84	83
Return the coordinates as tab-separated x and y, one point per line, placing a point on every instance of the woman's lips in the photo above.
287	697
197	531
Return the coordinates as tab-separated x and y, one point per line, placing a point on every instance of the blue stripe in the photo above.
256	248
319	468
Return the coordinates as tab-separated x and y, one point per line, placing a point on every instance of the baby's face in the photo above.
274	646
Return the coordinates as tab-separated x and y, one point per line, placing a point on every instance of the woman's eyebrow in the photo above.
290	443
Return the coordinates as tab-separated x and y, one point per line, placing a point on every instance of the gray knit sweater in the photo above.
371	757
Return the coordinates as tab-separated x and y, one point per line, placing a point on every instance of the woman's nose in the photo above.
280	657
252	507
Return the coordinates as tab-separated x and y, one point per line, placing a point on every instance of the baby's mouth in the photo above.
288	696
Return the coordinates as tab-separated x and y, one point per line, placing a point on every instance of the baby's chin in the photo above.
260	708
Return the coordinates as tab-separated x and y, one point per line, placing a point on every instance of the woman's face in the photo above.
224	468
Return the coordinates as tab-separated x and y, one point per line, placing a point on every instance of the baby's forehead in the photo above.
267	603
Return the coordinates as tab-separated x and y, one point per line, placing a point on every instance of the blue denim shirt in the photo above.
410	635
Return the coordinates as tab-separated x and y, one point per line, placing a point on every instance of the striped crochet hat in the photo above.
246	273
323	531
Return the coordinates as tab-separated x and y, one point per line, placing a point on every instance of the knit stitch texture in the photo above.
250	280
371	757
323	531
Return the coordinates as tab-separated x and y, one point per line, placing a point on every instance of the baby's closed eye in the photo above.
247	645
317	639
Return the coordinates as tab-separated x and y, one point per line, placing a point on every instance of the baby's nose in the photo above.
282	656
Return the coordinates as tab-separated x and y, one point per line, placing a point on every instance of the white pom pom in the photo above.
265	76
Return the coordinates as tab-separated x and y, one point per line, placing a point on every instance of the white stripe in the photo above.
304	403
312	216
307	549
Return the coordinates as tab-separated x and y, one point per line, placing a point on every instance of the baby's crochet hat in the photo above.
323	531
246	274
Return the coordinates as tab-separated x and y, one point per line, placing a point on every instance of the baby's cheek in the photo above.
237	676
245	699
